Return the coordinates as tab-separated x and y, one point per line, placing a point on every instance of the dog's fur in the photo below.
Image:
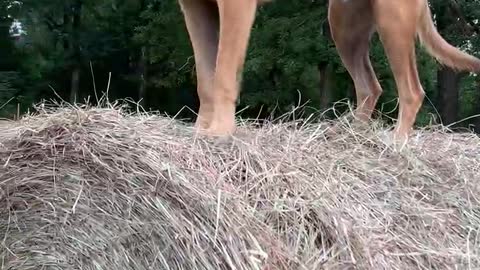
220	29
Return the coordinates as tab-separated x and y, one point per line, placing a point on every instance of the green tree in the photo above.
144	45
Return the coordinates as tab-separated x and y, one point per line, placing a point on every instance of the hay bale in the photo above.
97	188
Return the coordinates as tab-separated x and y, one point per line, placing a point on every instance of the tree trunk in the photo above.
142	72
75	85
325	71
75	46
66	26
448	94
476	120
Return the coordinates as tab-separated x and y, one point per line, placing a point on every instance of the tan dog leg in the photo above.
201	18
352	26
397	25
236	20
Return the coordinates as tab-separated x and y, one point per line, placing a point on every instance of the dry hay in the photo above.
97	188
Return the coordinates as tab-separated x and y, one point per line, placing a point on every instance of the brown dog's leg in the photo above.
202	20
396	24
236	20
352	26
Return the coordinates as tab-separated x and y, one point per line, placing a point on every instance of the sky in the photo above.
16	28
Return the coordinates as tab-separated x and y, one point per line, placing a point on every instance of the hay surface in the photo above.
96	188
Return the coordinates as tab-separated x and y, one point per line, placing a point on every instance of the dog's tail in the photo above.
440	48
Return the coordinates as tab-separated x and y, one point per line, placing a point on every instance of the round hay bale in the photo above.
97	188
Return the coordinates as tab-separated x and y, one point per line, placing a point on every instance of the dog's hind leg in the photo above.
202	21
397	24
352	26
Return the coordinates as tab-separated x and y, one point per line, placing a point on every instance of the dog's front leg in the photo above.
236	20
202	20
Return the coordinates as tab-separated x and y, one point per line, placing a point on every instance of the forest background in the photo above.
139	50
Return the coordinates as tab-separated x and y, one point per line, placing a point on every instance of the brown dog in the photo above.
220	29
